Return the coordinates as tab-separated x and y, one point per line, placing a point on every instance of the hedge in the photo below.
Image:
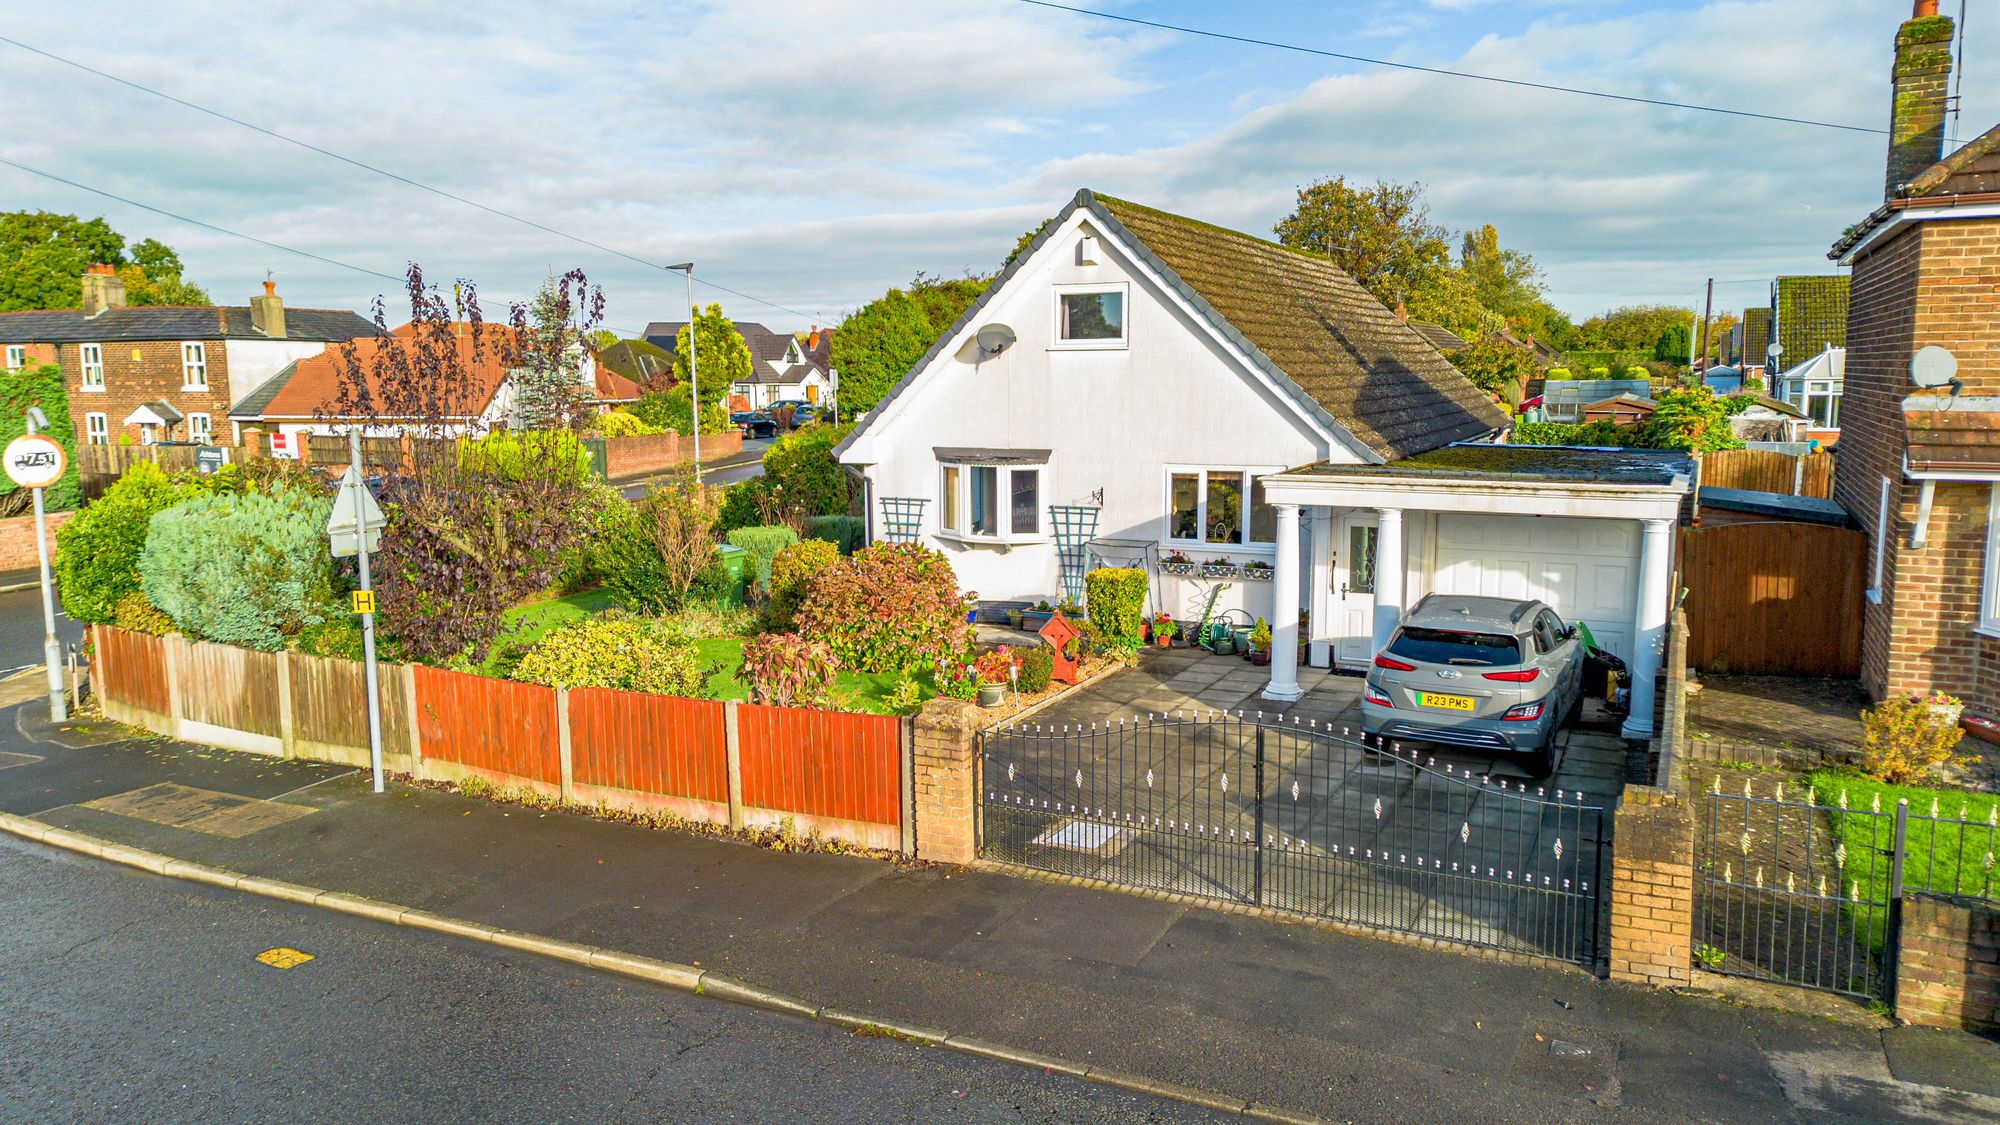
1116	598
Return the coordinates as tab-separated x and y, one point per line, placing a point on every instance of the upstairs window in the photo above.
17	357
1092	317
194	367
92	356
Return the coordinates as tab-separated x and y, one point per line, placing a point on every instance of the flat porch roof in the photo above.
1533	480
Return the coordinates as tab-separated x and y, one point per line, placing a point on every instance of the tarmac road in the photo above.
21	629
134	998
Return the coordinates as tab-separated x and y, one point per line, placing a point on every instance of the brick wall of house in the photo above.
34	353
17	540
1948	963
1933	283
153	376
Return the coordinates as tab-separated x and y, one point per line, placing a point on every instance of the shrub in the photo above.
1543	433
792	573
763	543
1637	372
1555	373
656	551
889	608
802	475
907	698
846	532
584	561
1260	636
1600	373
615	651
1038	666
248	570
742	506
958	680
1116	597
996	666
1906	741
787	670
624	423
97	551
339	635
135	613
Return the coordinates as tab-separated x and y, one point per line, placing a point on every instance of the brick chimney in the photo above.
1921	82
267	313
102	289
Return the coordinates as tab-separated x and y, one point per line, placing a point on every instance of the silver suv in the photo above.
1483	673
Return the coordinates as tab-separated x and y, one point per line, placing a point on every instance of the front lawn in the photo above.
1938	855
530	621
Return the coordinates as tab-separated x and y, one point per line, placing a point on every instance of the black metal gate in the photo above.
1292	817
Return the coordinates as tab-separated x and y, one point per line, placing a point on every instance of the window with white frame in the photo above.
1219	508
194	367
17	357
991	498
92	358
199	429
98	428
1820	399
1989	594
1090	316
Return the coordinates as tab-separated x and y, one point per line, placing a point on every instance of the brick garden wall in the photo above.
17	540
652	453
1948	966
1652	889
947	782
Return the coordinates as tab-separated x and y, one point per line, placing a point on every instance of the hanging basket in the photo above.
1220	570
1180	568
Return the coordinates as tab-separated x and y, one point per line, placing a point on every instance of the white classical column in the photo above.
1390	568
1649	625
1284	685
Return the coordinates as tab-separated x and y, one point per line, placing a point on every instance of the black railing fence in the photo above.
1298	818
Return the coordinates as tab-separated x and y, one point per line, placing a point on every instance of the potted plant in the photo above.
1218	567
1014	618
1257	569
1177	562
996	670
1260	642
1944	708
1164	630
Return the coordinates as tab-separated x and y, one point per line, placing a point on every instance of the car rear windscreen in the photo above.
1449	646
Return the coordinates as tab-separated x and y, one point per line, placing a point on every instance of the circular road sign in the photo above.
34	461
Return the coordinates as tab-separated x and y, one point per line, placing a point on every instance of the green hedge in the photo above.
249	569
1544	433
40	386
97	551
848	533
1613	360
1116	598
763	543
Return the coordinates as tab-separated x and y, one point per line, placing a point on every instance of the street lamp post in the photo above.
694	386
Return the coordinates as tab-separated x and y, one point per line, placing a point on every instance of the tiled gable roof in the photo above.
1372	373
174	322
1756	334
1439	337
766	347
1973	170
1811	315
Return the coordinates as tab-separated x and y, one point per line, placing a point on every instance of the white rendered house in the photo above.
1207	394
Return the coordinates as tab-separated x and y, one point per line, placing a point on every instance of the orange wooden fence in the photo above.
658	744
822	764
1774	598
493	725
131	669
1764	470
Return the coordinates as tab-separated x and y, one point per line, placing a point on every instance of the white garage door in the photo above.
1587	569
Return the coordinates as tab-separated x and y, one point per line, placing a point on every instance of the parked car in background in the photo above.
754	424
1481	673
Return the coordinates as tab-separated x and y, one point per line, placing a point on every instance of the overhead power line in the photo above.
379	171
1446	72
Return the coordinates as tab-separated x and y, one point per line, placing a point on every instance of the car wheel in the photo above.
1541	763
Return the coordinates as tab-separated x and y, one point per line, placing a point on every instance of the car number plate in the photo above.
1444	702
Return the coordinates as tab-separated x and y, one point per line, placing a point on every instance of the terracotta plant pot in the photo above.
1164	641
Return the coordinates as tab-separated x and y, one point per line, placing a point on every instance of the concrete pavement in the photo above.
1286	1015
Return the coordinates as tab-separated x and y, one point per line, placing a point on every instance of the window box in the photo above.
1258	571
1220	568
1182	568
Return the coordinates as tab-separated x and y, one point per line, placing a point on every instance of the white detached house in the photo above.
1197	392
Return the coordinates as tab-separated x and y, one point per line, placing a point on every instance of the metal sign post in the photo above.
35	462
356	529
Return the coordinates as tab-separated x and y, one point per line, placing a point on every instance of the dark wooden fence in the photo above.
1774	598
1763	470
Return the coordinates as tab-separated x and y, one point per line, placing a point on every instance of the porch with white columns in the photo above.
1392	567
1649	626
1284	685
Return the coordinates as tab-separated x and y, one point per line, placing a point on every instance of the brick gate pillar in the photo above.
1652	888
1948	963
947	782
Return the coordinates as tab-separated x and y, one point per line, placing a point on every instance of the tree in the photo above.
1694	419
45	256
1381	235
721	358
549	392
38	386
880	342
1498	366
1509	284
1674	345
475	525
1632	328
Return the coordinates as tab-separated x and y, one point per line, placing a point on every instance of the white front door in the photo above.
1353	571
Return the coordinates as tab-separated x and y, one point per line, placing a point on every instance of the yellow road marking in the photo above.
284	957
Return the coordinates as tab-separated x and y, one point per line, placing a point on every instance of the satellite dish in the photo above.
995	338
1932	366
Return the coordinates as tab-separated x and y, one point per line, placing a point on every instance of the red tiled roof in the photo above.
315	382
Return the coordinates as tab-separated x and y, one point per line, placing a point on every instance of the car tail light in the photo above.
1374	694
1524	713
1393	664
1524	676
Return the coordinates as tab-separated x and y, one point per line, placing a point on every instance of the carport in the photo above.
1589	531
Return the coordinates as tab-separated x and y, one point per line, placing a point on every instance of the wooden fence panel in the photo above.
329	713
659	744
1755	470
1775	598
230	687
829	764
132	669
1816	478
497	726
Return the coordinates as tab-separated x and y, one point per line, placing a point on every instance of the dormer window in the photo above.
1090	316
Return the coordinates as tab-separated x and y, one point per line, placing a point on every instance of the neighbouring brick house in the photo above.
1918	466
166	372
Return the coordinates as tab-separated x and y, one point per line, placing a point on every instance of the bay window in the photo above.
1207	507
991	494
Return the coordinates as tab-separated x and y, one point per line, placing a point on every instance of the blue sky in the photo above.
813	152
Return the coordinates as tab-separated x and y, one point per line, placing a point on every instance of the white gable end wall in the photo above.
1113	419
